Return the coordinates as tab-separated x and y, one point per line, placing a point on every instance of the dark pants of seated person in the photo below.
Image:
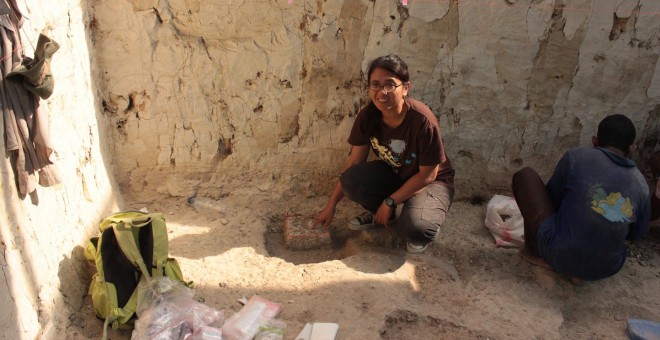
369	183
654	163
655	207
534	202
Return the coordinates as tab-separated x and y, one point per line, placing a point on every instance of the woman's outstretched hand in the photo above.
325	216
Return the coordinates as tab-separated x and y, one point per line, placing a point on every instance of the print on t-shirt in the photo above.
389	154
613	206
412	157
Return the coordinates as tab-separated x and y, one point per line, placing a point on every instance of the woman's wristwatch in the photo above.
390	202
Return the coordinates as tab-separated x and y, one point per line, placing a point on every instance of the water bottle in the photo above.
206	203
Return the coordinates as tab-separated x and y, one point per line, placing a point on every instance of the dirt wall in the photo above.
201	93
43	277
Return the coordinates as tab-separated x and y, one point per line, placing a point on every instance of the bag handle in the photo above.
133	217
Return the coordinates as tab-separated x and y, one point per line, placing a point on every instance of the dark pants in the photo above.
534	202
368	184
654	163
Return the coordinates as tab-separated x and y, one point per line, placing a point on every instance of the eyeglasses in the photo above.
389	87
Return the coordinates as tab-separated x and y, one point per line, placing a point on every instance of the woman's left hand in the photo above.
383	214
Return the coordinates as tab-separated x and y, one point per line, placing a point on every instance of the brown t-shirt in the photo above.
417	141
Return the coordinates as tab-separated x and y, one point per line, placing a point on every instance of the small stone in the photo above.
224	221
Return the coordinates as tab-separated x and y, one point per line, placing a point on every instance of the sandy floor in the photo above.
462	287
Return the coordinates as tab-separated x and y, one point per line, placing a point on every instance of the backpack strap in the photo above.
126	241
91	249
121	315
161	243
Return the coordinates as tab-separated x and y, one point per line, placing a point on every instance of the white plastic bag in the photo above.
505	222
244	325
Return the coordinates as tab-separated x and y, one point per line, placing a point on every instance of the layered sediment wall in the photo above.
201	92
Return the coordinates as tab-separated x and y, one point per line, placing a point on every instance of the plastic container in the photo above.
207	203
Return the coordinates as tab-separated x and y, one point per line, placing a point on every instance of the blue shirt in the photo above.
602	200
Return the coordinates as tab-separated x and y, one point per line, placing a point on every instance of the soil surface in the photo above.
462	287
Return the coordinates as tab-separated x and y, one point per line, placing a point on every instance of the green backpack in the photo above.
133	246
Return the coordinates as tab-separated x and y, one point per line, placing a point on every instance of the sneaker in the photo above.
416	249
365	221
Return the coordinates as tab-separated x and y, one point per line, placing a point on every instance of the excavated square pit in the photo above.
291	238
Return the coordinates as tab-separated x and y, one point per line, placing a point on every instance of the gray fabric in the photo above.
25	120
423	214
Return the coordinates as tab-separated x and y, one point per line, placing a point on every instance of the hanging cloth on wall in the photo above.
35	73
25	120
4	8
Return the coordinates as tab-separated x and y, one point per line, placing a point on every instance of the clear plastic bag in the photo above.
505	222
152	292
167	311
271	329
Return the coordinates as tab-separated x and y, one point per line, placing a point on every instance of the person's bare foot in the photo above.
535	260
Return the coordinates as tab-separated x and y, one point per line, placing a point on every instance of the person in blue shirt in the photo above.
596	200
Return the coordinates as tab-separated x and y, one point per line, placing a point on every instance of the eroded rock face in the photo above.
45	275
200	92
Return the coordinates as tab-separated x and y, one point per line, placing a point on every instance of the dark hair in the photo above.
390	63
617	131
398	67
